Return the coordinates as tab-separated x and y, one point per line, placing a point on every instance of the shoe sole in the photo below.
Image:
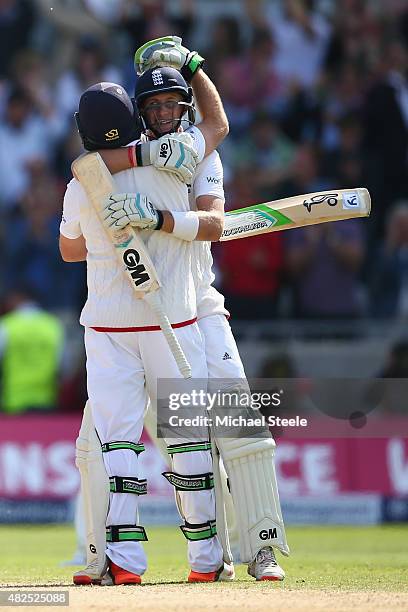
222	575
85	580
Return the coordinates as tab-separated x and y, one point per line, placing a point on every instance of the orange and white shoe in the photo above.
122	576
91	574
223	574
265	566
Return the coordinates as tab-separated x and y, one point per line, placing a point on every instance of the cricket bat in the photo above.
91	171
298	211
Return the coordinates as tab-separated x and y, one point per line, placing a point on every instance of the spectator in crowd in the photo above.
389	272
89	66
17	20
301	35
26	138
251	268
324	262
31	246
31	344
226	43
70	21
263	88
386	131
268	151
344	164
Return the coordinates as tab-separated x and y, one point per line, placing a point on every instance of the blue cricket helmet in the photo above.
106	117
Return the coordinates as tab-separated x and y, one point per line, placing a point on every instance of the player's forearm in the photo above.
214	124
210	225
116	160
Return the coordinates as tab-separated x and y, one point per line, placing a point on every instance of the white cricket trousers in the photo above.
122	370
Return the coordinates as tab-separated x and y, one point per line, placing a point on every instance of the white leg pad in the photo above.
95	492
150	424
221	492
249	463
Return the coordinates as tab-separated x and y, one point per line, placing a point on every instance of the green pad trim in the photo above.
126	533
197	482
111	446
203	531
188	447
122	484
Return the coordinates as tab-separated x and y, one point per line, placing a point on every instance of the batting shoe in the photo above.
91	574
265	566
122	576
224	574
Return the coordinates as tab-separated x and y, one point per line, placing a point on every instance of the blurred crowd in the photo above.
316	93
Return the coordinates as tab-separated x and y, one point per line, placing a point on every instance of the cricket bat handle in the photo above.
154	301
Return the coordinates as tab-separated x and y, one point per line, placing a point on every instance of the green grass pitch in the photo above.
364	558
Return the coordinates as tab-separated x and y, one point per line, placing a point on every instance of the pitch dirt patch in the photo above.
234	598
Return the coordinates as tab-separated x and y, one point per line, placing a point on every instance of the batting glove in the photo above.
168	51
174	153
135	209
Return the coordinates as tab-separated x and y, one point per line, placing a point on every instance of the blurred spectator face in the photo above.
18	110
264	132
262	47
226	35
306	164
350	171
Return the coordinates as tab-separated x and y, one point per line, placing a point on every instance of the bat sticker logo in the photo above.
138	272
248	222
350	200
332	199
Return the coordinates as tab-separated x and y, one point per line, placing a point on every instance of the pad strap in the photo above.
122	484
188	447
196	482
201	531
126	533
111	446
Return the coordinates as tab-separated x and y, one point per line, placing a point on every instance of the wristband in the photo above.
186	225
193	65
132	156
143	154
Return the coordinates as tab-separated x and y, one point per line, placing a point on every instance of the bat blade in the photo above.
91	171
297	211
98	183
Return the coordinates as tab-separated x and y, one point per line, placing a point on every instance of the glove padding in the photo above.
135	209
176	154
168	51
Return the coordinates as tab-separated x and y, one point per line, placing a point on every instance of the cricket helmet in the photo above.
106	117
162	80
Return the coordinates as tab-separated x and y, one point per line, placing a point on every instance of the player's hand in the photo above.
135	209
175	153
168	51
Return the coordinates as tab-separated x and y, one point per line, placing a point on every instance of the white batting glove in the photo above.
173	153
135	209
168	51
